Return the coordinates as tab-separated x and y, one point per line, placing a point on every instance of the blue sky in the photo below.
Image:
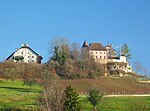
36	22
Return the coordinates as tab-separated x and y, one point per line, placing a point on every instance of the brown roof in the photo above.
97	46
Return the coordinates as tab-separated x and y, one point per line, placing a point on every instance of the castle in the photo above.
105	55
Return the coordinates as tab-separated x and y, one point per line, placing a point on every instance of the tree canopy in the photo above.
126	51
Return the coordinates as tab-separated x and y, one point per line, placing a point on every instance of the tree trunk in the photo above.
94	108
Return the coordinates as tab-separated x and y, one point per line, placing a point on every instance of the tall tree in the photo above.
59	50
59	55
126	51
72	100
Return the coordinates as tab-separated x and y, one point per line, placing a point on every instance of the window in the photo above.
100	52
96	57
96	52
28	56
100	57
21	52
104	57
32	56
104	52
91	52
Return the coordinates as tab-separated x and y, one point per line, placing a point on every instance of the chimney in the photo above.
24	45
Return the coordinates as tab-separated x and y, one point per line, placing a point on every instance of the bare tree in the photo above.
57	42
138	68
75	50
52	96
146	72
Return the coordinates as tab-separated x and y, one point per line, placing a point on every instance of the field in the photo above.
15	95
120	104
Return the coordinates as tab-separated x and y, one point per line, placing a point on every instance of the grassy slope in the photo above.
120	104
15	94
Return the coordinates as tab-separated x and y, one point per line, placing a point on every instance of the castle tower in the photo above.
84	51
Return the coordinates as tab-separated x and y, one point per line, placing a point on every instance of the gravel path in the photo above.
125	95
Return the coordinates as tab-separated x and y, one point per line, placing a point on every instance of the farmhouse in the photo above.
105	55
25	54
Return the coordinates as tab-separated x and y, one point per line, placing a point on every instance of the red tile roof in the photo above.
97	46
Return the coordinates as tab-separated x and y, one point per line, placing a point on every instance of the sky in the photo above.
37	22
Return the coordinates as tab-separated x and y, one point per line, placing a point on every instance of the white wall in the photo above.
98	54
29	56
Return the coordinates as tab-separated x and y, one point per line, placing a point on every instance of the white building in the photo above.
25	54
120	62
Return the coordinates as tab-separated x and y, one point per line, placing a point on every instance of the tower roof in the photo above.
85	44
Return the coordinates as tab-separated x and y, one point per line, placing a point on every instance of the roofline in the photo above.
27	48
97	49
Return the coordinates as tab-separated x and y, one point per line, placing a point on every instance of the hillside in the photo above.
124	85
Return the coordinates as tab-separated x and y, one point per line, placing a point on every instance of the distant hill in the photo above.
123	85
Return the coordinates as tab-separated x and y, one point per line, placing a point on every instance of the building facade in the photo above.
105	55
94	51
25	54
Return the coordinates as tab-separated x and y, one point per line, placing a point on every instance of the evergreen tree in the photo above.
125	51
59	56
94	98
72	100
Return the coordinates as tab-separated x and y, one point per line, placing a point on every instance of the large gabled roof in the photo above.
97	46
24	46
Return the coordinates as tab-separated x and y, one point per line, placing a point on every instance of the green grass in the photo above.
13	94
119	104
